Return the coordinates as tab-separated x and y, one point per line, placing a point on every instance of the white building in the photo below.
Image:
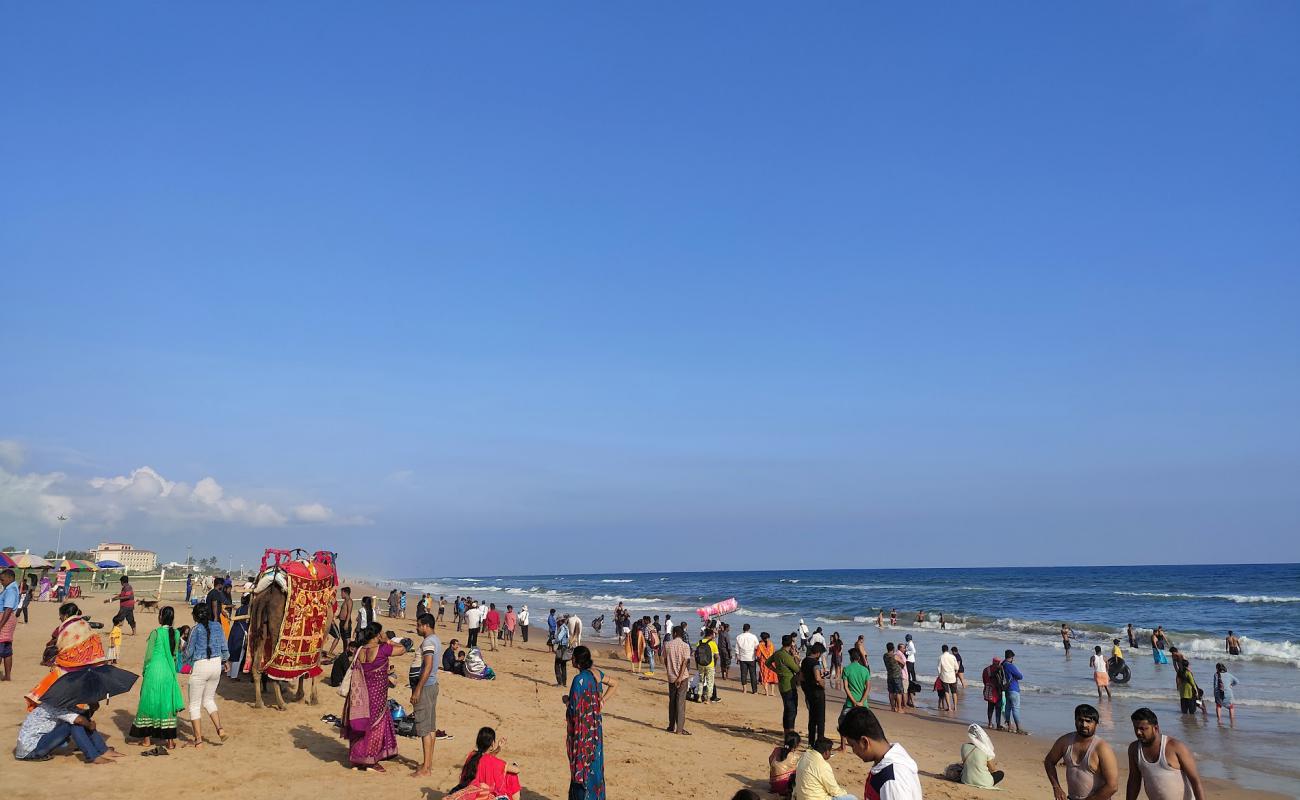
131	558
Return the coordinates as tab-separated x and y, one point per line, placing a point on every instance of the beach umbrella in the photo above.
6	561
77	564
89	685
29	561
109	564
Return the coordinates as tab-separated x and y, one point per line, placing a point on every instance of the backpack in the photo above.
703	654
1001	679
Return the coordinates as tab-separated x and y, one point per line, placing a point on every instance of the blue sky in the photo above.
516	287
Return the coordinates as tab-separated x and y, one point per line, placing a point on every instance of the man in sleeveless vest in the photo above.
1161	764
1091	771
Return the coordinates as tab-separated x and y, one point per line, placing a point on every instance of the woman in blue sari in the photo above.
585	742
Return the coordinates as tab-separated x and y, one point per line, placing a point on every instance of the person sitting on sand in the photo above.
781	765
483	768
813	777
449	656
48	727
978	767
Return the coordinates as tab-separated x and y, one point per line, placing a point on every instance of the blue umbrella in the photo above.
109	565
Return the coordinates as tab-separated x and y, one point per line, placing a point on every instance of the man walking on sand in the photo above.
424	692
1160	763
677	661
1091	771
126	604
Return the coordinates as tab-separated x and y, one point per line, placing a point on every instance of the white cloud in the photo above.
12	454
141	495
312	512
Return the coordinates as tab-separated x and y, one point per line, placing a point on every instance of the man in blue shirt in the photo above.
1014	677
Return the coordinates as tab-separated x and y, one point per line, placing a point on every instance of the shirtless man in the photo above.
893	618
1066	633
1091	771
1233	643
920	615
880	619
1161	763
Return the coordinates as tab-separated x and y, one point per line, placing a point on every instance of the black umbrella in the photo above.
89	685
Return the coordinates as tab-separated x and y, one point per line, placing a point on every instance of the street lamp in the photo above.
58	548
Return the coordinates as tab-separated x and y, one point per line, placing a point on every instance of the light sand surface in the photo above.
293	754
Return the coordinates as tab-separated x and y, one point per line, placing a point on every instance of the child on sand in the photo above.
114	642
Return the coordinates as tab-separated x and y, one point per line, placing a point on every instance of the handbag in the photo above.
346	683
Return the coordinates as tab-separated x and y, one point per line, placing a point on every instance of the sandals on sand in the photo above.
156	750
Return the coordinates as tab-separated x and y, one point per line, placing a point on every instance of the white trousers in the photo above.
203	686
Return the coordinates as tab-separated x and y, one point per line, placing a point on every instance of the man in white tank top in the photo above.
1161	764
1091	771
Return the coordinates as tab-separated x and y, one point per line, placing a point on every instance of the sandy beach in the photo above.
303	757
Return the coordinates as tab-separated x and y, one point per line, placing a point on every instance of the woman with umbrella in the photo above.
160	695
73	646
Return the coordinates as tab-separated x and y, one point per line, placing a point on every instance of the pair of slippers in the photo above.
156	750
331	719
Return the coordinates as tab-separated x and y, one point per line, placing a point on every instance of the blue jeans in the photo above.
650	657
1013	708
92	745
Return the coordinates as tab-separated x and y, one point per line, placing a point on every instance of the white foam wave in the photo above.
788	580
746	612
858	586
833	620
619	599
616	580
1235	598
1252	650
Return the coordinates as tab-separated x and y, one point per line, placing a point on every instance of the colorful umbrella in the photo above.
77	564
6	561
29	561
109	564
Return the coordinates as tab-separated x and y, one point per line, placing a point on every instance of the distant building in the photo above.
131	558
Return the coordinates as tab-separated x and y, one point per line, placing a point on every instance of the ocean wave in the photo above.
858	586
748	612
1234	598
788	580
834	620
619	599
616	580
1252	650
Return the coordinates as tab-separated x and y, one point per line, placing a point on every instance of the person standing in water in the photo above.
1099	673
1132	640
1161	764
1066	633
1091	770
1223	683
1233	644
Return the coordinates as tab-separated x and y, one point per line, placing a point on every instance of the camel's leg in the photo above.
313	700
301	689
256	672
279	698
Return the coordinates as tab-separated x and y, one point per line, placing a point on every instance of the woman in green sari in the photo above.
160	693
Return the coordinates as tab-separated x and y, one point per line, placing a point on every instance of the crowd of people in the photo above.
183	666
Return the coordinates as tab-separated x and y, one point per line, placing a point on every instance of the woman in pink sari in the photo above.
484	769
367	724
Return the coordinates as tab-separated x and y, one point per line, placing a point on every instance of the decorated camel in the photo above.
291	611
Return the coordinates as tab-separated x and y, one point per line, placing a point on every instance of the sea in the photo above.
989	610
